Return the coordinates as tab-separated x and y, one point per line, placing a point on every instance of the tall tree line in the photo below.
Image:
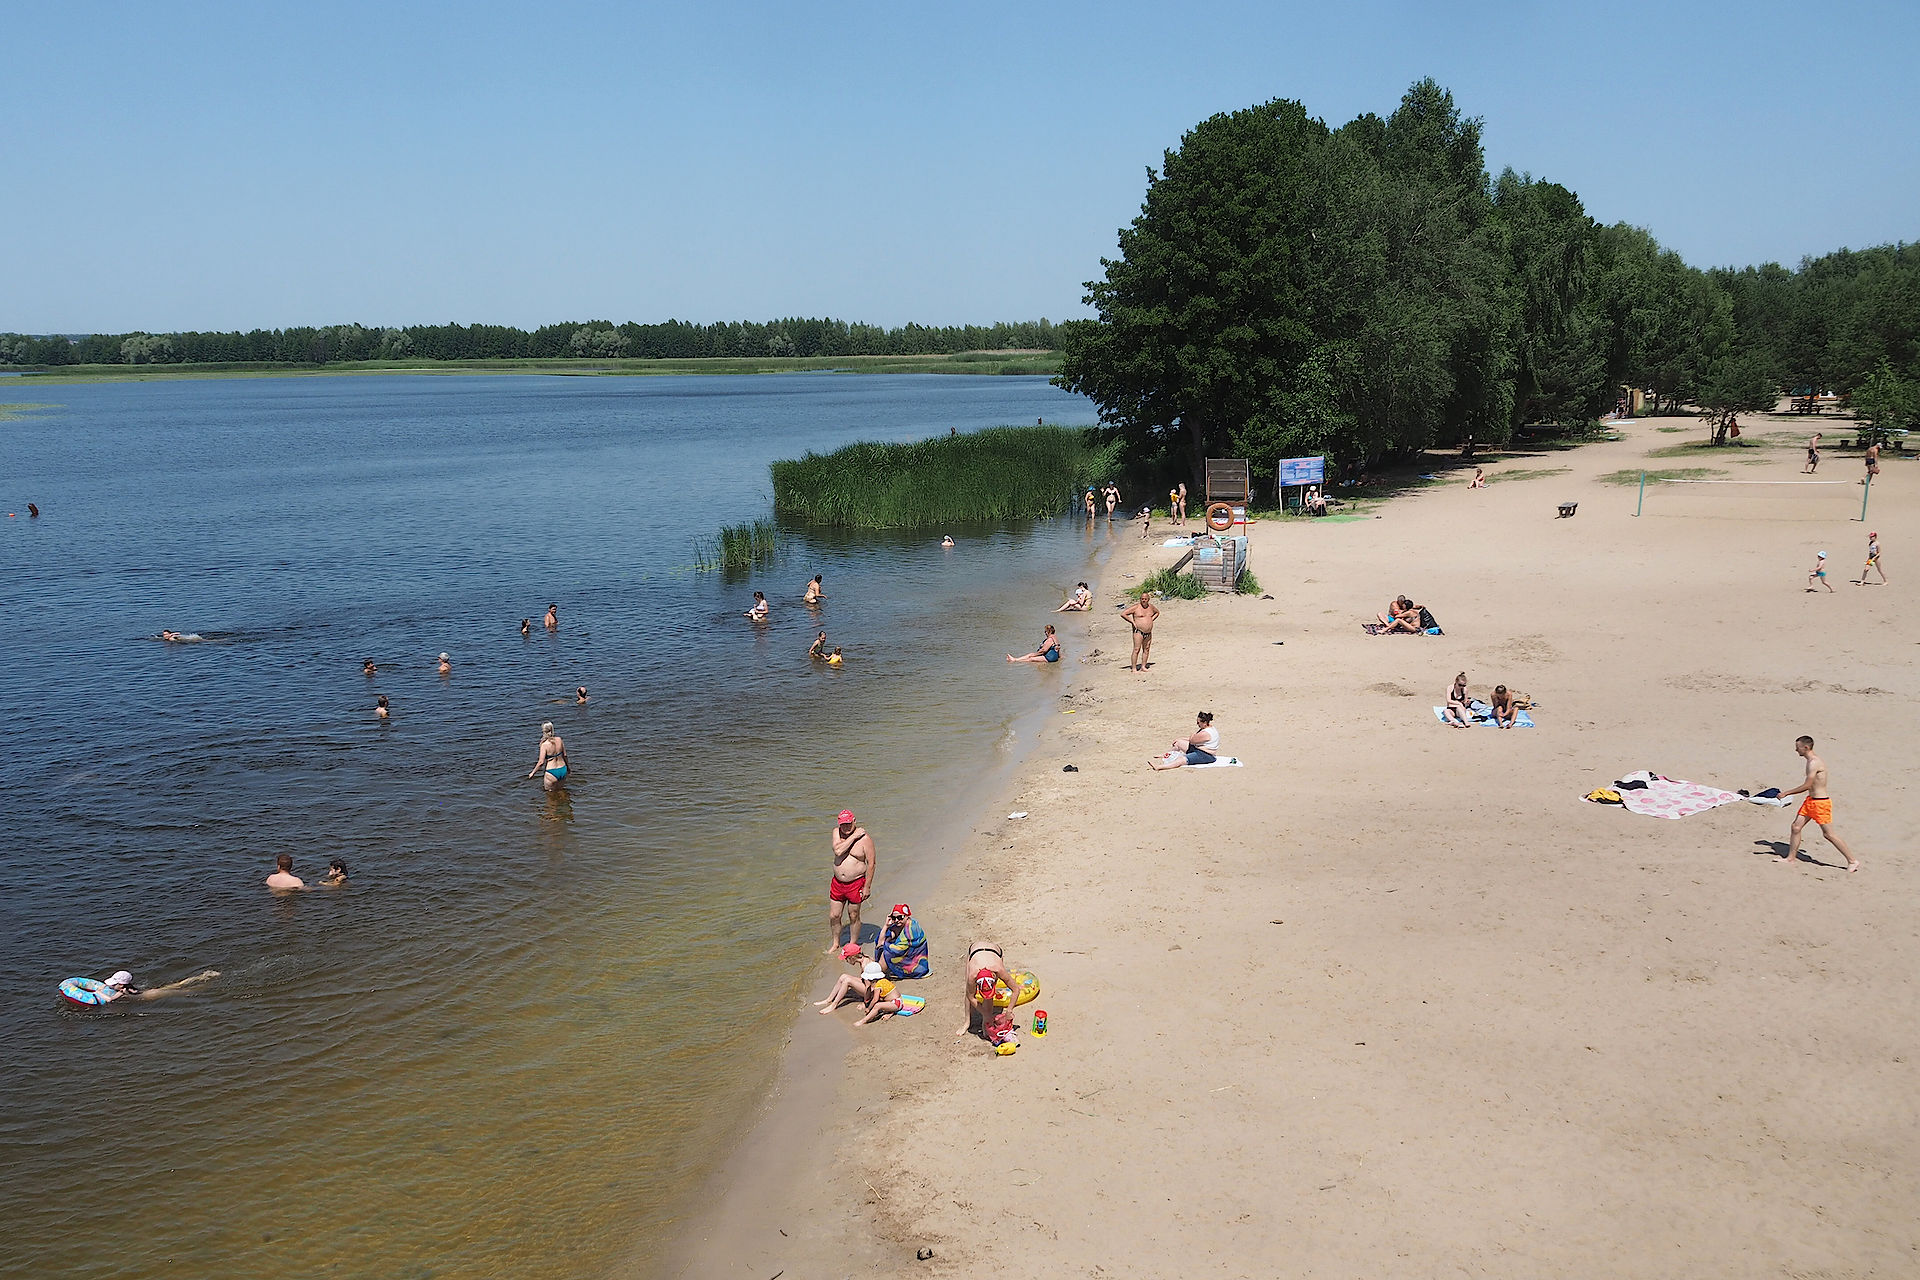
590	339
1291	289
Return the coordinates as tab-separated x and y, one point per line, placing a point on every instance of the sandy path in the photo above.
1391	1000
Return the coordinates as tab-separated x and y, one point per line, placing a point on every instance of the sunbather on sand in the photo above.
1460	703
1402	615
1505	713
1202	747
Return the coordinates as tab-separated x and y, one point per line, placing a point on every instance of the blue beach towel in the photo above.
1481	715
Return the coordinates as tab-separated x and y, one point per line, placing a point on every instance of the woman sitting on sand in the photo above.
1203	747
1078	601
1049	650
1505	713
1459	703
1479	480
1402	615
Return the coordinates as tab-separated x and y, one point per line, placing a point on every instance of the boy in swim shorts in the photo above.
1819	573
1817	808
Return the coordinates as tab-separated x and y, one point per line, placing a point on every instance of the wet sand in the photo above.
1391	1000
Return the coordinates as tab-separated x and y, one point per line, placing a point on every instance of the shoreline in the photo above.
1285	996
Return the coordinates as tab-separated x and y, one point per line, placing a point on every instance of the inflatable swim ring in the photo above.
910	1005
86	991
1029	988
1220	517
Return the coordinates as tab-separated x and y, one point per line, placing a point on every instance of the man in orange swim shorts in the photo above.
856	865
1817	808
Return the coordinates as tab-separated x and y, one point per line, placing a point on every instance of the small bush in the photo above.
1166	583
1248	584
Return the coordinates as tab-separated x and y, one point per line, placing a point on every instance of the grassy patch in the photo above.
1672	473
991	476
737	548
1248	584
1527	473
1170	585
1703	449
1664	430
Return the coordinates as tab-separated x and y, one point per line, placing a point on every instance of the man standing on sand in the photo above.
856	865
1141	615
1813	455
1817	808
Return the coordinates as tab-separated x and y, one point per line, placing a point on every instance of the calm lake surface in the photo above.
515	1043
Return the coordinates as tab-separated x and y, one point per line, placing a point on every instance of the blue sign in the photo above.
1303	471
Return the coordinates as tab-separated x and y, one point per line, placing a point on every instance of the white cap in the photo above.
121	979
872	971
443	657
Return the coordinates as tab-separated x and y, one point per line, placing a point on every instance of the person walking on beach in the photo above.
552	620
1872	460
1141	615
1817	808
283	880
1090	506
553	758
1819	574
1113	500
1049	650
1813	455
1873	561
856	865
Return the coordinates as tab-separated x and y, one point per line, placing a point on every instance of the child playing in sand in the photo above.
1479	480
873	987
1873	561
1819	573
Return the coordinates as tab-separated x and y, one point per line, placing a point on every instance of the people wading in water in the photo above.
553	758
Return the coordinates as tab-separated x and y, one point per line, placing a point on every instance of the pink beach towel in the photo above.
1672	798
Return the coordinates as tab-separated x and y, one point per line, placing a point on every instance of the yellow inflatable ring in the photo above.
1219	517
1029	988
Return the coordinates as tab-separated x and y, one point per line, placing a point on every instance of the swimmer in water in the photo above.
552	621
283	880
526	626
834	659
170	635
580	696
380	707
336	875
121	985
553	759
814	594
947	541
818	649
180	637
760	610
368	669
446	665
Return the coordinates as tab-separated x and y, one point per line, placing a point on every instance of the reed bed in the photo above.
737	548
993	476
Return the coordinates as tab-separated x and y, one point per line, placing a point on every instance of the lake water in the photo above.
519	1038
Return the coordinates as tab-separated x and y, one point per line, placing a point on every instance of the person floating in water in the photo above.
1049	650
33	513
818	649
947	541
814	594
580	696
526	626
760	609
553	759
120	987
834	659
181	637
552	620
336	875
367	669
446	665
380	707
283	880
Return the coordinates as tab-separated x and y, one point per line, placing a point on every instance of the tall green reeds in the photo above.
996	475
736	548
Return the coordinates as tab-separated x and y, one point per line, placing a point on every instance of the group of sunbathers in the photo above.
1403	616
1504	707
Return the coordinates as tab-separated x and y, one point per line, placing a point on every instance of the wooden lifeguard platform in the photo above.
1219	556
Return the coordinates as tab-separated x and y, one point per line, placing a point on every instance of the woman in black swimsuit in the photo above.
986	970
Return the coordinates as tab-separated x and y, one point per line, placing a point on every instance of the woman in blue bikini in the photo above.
553	758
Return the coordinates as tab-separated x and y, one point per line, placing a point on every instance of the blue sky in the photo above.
200	166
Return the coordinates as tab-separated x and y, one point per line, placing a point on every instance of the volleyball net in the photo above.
1811	499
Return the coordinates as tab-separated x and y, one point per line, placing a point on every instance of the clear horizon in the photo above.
213	169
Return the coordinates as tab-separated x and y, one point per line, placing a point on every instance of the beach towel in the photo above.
1380	629
910	1005
1670	797
1220	762
903	954
1480	713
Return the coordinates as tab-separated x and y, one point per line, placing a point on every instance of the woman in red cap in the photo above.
903	944
987	972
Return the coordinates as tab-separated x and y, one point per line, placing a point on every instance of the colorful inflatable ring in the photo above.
1219	517
1029	988
87	991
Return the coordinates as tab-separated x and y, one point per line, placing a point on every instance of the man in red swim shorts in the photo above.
856	864
1817	808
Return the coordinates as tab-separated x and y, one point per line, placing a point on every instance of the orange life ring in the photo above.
1219	517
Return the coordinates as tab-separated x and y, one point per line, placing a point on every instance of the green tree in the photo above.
1886	402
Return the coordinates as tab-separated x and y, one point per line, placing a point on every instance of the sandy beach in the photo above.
1392	1000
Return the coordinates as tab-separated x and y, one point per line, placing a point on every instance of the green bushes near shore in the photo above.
1169	585
993	476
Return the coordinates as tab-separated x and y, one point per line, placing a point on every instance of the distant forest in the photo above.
589	340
